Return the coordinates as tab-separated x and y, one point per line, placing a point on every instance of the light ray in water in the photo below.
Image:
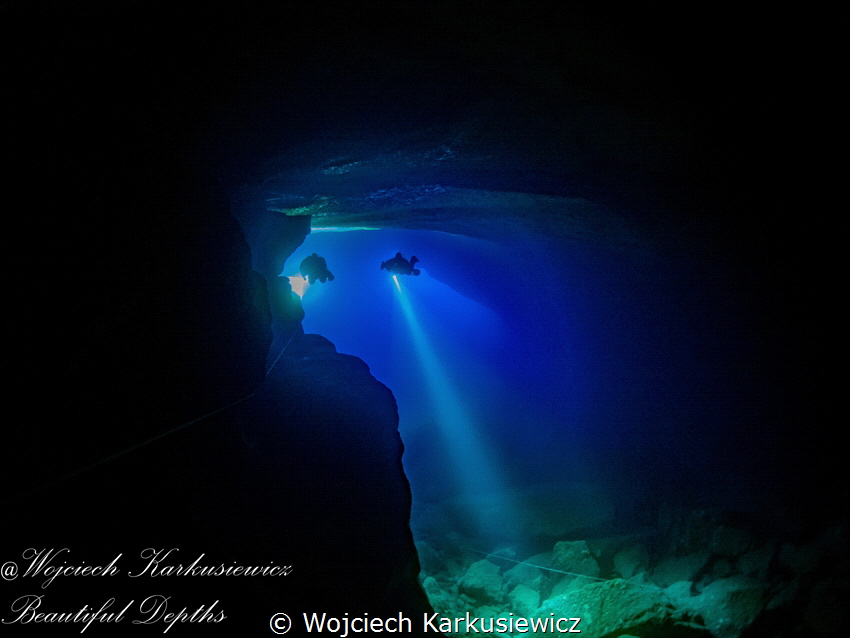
477	474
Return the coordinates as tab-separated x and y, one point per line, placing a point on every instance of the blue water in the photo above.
524	365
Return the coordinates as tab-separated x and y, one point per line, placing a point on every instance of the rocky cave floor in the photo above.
690	573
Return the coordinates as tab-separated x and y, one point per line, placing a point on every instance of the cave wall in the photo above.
305	470
272	238
324	477
136	309
134	326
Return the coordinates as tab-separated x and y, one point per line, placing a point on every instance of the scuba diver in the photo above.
315	267
398	265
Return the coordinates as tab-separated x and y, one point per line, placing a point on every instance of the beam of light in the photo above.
483	490
299	285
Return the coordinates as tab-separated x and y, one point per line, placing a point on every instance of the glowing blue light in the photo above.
340	229
478	478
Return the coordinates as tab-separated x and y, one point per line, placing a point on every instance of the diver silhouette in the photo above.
315	267
398	265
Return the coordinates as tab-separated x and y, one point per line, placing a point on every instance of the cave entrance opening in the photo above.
443	356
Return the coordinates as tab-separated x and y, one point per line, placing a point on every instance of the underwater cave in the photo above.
600	396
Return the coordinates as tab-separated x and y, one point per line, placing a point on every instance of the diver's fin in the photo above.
413	260
383	263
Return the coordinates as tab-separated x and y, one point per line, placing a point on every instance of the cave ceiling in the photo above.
446	181
485	129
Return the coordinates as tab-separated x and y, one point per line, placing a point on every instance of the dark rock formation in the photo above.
482	582
172	438
146	325
141	330
326	484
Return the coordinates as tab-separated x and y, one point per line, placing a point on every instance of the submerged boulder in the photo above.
630	560
730	541
524	600
757	561
617	607
482	582
677	568
569	583
728	605
574	557
440	600
531	572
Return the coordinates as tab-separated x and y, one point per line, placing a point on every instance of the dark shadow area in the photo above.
612	386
